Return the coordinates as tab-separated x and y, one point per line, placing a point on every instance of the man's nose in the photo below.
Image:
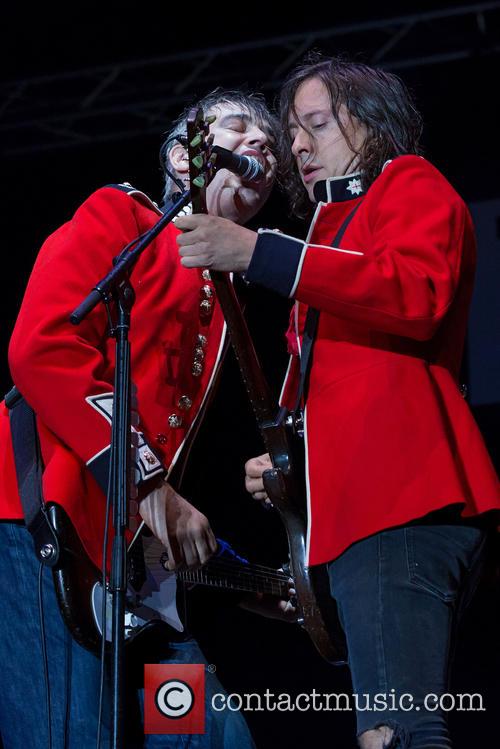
256	137
301	143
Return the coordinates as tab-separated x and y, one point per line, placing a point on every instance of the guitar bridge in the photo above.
295	422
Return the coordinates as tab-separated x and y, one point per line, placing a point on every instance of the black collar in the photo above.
337	189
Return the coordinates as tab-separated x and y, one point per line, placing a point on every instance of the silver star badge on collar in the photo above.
354	187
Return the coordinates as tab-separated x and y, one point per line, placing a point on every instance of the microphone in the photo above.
247	167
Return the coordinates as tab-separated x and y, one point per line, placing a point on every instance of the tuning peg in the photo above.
199	181
198	161
196	140
212	159
210	139
210	119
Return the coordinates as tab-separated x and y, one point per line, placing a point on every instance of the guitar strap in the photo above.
311	327
29	468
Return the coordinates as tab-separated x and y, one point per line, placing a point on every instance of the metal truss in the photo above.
130	99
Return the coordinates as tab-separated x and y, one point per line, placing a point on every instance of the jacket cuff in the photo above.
145	464
276	262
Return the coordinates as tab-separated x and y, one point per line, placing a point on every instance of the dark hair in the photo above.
377	99
254	103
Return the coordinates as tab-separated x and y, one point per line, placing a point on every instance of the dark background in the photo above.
45	176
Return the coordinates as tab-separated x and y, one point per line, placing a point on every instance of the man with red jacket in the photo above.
400	488
66	375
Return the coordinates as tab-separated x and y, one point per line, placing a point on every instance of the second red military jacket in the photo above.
389	437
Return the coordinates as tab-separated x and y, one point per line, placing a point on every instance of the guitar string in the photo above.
259	580
238	569
227	573
275	589
224	581
259	568
241	575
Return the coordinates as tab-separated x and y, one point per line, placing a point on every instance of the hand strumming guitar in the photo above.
183	530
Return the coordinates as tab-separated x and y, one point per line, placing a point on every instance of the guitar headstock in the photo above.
201	161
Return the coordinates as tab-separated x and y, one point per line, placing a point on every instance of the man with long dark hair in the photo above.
401	490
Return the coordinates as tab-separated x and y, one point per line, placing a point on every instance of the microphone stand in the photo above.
116	285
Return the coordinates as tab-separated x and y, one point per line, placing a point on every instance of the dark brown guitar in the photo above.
285	483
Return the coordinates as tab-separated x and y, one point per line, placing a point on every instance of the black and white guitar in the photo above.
153	590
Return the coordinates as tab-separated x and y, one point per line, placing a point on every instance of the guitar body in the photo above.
317	608
78	587
74	578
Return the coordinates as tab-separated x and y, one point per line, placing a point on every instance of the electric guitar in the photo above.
285	483
154	593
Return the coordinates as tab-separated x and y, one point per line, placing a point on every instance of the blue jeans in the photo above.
400	594
73	672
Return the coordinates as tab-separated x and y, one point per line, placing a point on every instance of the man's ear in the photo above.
179	159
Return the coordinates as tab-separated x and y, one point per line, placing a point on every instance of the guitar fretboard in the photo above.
234	576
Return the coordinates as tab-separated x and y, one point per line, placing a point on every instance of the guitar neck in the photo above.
255	382
233	576
242	343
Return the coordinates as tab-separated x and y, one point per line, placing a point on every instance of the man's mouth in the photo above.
258	155
309	172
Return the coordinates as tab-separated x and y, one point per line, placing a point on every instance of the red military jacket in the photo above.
66	372
389	437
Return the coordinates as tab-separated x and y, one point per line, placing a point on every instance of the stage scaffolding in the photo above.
134	98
